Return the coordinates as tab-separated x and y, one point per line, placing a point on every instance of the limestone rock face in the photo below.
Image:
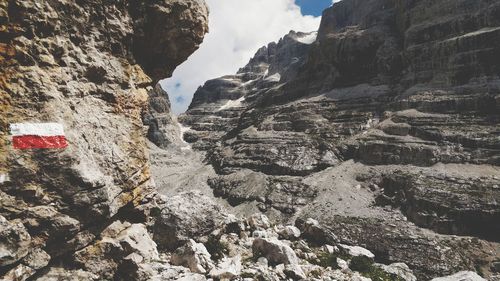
185	217
383	127
87	65
163	127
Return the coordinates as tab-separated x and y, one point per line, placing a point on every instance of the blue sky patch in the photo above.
313	7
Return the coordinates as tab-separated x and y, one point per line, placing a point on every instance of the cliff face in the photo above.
385	129
87	65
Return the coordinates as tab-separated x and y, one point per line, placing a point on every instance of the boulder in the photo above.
289	232
258	222
193	256
36	259
400	270
274	250
20	272
15	241
356	251
227	269
260	234
186	216
118	241
312	230
294	271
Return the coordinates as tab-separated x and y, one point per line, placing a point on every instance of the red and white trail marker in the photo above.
38	135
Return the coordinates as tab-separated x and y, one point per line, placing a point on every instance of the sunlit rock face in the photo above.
87	65
384	128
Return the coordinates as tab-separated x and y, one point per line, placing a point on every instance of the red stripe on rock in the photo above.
33	142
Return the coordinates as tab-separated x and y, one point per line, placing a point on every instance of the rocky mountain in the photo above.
78	213
384	126
368	150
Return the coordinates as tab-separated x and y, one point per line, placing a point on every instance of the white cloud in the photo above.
237	29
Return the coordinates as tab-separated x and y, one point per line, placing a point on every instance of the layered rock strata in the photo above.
385	128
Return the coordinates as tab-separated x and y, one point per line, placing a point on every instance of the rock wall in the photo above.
87	65
386	131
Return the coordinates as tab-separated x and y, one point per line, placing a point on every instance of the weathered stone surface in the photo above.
285	193
118	241
19	273
167	33
315	232
87	65
294	271
56	274
193	256
462	275
447	204
186	216
227	269
37	259
289	232
274	250
15	241
258	222
157	271
401	270
163	127
356	251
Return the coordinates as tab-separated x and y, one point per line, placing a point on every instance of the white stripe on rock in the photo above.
4	178
37	129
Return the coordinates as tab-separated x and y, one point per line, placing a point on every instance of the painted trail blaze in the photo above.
38	135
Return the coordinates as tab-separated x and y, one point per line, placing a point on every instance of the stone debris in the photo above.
461	276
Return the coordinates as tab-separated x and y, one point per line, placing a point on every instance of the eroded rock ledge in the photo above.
87	65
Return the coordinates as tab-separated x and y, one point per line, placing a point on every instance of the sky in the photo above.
238	28
313	7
